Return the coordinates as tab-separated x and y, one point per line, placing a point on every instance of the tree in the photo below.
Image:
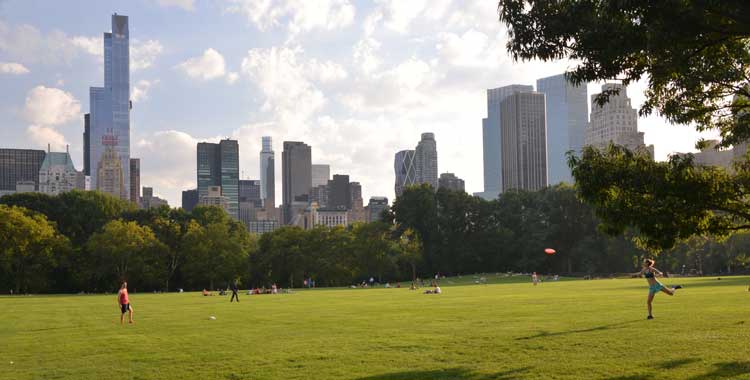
696	57
409	249
216	251
416	209
125	250
29	245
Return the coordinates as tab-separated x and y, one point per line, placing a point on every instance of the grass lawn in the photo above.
502	330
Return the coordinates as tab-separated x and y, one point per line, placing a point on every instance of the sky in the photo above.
356	80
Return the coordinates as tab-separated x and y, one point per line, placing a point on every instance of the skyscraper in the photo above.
451	182
339	192
110	113
524	149
375	208
87	144
109	173
135	180
426	160
406	174
189	199
20	165
296	180
616	121
567	120
219	165
250	192
267	174
491	139
320	174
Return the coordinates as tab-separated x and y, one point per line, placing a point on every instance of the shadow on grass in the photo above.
728	370
449	374
545	334
671	364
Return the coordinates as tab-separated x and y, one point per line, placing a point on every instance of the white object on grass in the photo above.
212	318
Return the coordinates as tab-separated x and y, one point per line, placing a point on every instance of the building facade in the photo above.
189	199
339	193
296	171
567	120
492	139
449	181
87	144
375	208
524	149
149	200
320	174
357	213
213	197
426	160
616	121
331	217
58	174
219	166
135	180
250	192
267	173
20	165
406	173
110	176
110	114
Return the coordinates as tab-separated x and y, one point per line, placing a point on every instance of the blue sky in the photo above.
357	80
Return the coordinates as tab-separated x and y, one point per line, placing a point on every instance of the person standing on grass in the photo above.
654	286
234	293
124	302
534	278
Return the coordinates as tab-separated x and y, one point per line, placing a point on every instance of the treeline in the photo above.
466	234
88	241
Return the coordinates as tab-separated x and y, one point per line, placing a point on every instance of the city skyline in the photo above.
188	88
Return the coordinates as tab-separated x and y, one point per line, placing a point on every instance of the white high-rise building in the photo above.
426	160
615	122
267	174
567	119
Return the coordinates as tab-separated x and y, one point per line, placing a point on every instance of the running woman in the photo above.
654	286
124	302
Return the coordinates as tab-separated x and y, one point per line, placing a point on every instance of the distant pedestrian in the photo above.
124	302
535	278
235	295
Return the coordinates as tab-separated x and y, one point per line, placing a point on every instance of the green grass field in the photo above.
503	330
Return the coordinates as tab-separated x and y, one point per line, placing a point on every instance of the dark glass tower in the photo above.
296	170
219	165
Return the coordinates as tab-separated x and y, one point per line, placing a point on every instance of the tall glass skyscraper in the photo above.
492	136
524	139
267	174
406	173
219	165
110	112
567	118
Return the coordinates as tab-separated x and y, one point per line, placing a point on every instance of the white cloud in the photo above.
232	77
285	83
90	45
49	106
27	44
140	90
399	14
143	54
302	15
471	49
13	68
208	66
41	136
188	5
364	55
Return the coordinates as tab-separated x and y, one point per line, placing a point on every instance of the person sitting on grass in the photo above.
437	290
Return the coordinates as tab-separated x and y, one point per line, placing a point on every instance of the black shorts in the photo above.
125	307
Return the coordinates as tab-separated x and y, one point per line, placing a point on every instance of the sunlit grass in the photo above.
506	329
